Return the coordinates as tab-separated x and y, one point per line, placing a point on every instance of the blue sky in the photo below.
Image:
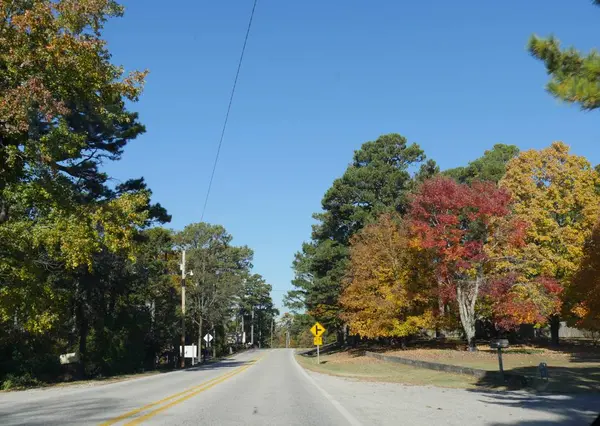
320	78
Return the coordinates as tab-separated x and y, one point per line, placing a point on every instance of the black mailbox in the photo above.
499	344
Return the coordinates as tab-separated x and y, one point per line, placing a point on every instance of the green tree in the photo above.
219	271
377	181
62	108
574	77
490	167
256	297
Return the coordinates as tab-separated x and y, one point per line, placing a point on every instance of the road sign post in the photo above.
317	330
318	359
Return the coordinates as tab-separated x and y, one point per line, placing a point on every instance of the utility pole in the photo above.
252	329
183	274
243	331
272	322
182	359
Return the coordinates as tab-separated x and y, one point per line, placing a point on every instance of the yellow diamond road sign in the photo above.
317	330
318	341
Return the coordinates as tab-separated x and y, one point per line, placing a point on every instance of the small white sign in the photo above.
208	338
191	351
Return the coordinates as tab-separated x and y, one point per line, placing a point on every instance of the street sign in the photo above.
208	338
317	330
190	351
318	341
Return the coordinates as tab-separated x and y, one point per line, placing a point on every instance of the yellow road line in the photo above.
151	414
193	388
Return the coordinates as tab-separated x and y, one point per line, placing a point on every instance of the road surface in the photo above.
269	388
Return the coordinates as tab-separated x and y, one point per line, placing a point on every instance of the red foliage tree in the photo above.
467	229
516	300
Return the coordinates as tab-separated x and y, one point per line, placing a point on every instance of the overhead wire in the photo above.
237	74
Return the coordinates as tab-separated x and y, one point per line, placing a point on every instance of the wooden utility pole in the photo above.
252	329
272	322
182	351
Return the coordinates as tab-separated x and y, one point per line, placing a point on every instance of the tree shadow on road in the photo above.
225	364
573	409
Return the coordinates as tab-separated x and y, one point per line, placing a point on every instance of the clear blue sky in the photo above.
319	79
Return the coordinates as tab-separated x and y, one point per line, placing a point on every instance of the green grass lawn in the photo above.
364	368
568	371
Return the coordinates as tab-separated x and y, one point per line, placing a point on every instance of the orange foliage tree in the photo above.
585	286
390	289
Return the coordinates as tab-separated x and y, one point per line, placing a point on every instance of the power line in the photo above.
237	74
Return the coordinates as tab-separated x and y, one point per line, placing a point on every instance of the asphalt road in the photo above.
270	388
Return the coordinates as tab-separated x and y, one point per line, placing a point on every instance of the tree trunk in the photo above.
466	295
214	347
441	310
83	333
554	328
3	211
340	336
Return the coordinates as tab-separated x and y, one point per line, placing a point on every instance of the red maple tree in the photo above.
466	228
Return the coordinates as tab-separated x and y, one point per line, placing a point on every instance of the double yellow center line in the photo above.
175	398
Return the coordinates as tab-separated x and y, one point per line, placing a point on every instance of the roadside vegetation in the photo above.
85	265
354	365
572	369
506	246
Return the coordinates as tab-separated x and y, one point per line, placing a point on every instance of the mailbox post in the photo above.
500	344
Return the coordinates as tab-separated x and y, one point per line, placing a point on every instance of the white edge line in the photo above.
351	419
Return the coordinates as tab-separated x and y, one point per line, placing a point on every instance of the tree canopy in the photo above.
377	181
574	77
490	167
83	265
390	288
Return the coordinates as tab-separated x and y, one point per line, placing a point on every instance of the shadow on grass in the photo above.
561	380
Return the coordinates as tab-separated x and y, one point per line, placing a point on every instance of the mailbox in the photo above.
71	358
499	344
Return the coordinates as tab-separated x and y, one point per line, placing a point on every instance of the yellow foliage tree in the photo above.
390	290
556	194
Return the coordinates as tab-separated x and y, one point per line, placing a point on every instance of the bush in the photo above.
13	381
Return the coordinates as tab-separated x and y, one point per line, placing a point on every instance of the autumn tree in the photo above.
513	299
574	77
391	291
377	181
585	287
556	194
68	236
465	229
63	103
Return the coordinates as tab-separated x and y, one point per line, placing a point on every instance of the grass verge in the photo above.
347	364
568	371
